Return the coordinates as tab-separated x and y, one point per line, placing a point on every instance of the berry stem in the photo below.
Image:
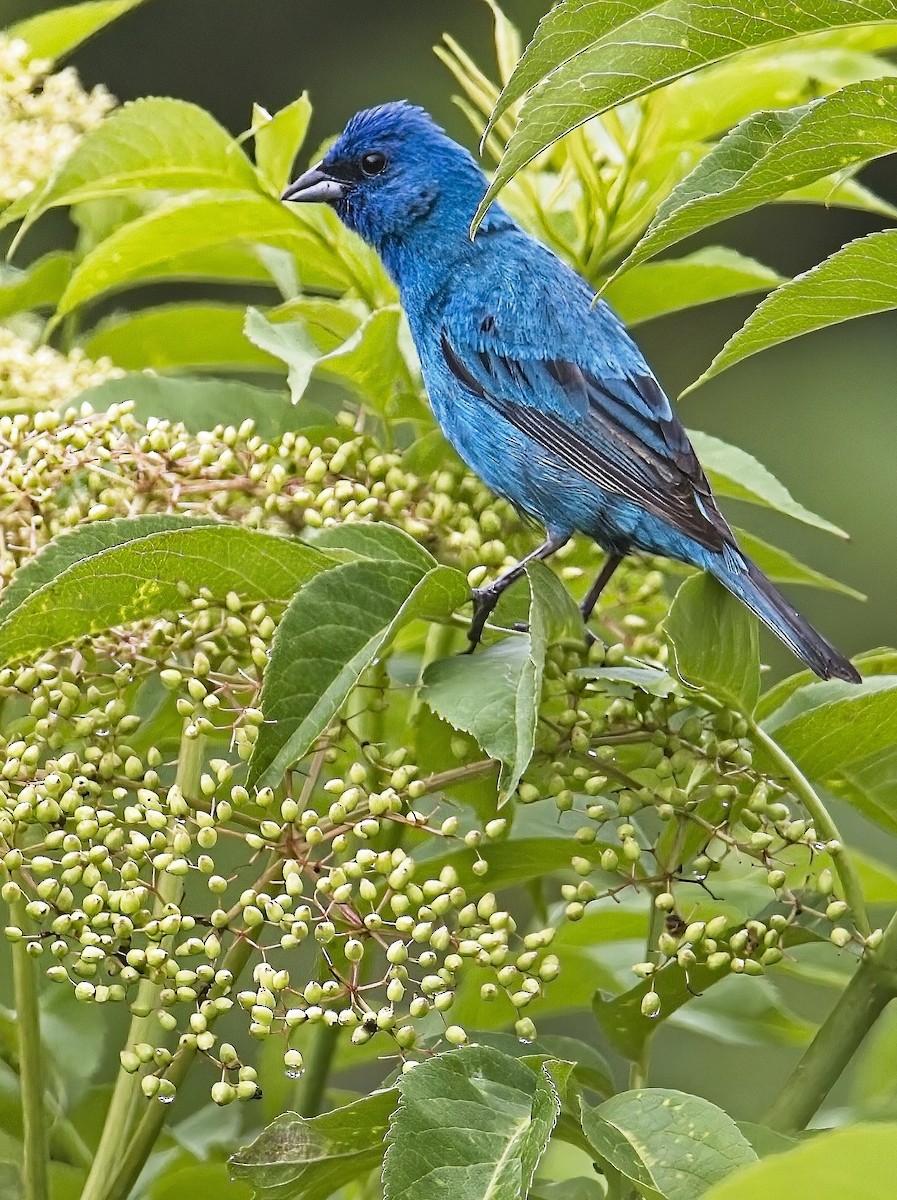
24	969
825	826
132	1160
127	1095
871	989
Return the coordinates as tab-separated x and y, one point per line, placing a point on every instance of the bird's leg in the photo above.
486	598
608	567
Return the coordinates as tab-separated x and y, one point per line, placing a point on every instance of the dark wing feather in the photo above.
621	434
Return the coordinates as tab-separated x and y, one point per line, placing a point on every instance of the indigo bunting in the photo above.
540	389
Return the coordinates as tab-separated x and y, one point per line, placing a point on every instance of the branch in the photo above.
872	987
24	970
825	827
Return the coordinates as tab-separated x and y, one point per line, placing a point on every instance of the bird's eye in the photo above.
373	163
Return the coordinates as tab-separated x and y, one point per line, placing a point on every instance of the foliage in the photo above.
249	791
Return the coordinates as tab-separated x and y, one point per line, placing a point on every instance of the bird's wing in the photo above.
618	432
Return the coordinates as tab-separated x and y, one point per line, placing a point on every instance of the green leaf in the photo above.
312	1157
764	1140
775	152
588	55
279	138
858	279
874	1083
825	727
494	694
180	336
331	632
834	191
130	569
590	1068
580	1187
136	251
369	540
736	474
715	273
714	642
783	567
152	144
202	403
856	1162
669	1144
288	341
56	33
870	786
200	1181
648	679
369	360
621	1020
472	1124
39	286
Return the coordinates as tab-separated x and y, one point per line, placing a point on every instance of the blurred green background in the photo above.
820	412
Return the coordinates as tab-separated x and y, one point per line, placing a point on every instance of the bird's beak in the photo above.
315	187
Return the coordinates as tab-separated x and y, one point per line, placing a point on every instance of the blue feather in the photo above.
540	389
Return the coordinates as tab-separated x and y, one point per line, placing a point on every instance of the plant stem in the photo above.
144	1027
24	970
132	1159
825	827
317	1069
872	987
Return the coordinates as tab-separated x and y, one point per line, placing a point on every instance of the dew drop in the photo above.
166	1099
525	1041
294	1073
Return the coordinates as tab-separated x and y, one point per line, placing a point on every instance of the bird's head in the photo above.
389	172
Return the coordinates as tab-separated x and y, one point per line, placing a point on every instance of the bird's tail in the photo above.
746	581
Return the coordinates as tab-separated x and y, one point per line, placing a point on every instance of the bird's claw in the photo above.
484	601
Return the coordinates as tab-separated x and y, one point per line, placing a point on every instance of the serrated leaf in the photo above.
588	55
714	642
200	403
834	191
279	138
129	569
590	1068
715	273
330	633
858	279
736	474
472	1123
180	337
782	567
39	286
188	224
774	152
668	1143
310	1158
856	1161
494	693
156	143
56	33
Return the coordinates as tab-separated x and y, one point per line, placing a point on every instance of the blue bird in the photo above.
540	390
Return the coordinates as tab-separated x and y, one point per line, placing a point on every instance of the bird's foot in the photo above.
484	601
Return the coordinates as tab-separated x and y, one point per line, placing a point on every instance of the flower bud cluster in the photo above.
43	116
34	377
